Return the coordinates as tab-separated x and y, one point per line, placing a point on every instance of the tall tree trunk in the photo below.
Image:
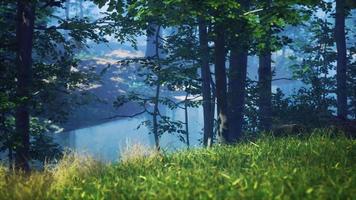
341	59
24	36
265	79
220	79
237	79
213	107
158	88
237	87
206	80
265	90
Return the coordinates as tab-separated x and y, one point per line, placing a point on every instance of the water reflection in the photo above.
107	140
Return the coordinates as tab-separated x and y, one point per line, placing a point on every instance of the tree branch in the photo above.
129	116
277	79
253	11
52	4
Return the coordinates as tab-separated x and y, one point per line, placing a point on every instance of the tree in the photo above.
265	75
221	82
341	68
171	74
351	75
206	80
24	34
276	15
238	73
44	79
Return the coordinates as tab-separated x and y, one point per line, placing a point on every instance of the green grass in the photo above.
317	167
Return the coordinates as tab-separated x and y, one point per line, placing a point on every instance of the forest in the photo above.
177	99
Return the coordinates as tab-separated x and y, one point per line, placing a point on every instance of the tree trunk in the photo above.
206	79
265	91
67	8
10	157
220	79
186	119
237	79
213	107
81	9
341	59
265	80
158	87
24	36
154	41
155	117
237	86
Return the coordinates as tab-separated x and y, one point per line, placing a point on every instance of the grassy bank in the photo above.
318	167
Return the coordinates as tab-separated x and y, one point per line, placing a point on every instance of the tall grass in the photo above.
316	167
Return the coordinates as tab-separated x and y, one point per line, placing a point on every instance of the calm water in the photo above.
107	140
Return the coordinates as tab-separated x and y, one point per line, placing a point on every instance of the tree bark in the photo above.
155	117
237	79
265	79
186	118
158	88
206	80
154	41
24	37
237	87
265	90
341	59
220	79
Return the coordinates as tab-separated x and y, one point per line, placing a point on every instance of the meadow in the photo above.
319	166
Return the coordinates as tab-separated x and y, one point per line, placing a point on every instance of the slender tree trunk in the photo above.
265	81
186	120
155	117
81	9
265	91
220	79
24	36
156	100
10	156
213	107
341	59
67	8
154	41
237	79
206	80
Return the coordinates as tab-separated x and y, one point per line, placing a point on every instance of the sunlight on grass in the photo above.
138	152
315	167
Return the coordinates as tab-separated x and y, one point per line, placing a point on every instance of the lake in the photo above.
106	141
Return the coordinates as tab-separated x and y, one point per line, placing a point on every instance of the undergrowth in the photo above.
315	167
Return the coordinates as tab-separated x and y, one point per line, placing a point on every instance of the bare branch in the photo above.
277	79
129	116
253	11
52	3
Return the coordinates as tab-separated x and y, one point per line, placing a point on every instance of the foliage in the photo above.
57	83
251	108
300	108
169	78
351	82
